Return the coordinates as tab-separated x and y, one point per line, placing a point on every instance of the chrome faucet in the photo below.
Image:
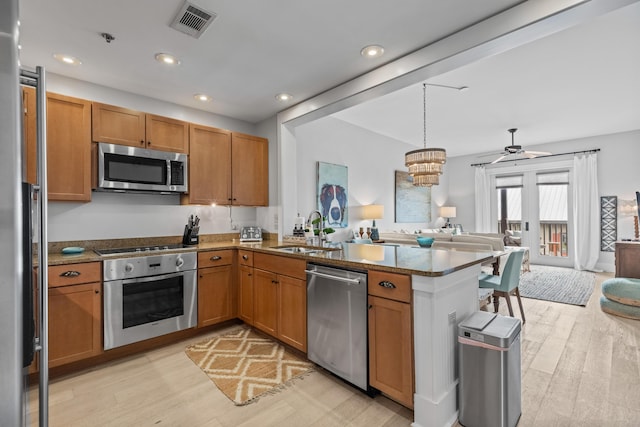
321	235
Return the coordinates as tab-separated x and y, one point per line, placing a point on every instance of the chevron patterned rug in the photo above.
245	365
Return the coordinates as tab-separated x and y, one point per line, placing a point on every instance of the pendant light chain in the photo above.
424	113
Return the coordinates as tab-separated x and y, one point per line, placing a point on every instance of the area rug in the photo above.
557	284
245	365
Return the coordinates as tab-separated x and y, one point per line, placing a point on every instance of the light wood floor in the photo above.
580	367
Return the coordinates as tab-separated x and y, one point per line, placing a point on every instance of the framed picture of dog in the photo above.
332	194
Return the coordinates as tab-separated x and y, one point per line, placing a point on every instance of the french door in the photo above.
532	207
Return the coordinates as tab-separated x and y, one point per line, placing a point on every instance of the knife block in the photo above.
190	236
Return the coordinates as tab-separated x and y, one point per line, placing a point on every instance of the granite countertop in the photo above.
399	259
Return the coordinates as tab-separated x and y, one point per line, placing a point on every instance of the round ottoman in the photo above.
621	297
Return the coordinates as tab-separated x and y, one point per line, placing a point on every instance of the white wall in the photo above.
111	215
372	160
618	175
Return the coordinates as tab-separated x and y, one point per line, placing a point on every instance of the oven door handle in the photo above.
151	278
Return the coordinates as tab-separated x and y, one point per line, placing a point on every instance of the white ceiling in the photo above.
580	82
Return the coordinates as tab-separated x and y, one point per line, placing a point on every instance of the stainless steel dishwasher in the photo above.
337	322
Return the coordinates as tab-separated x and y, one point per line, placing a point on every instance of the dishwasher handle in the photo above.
329	276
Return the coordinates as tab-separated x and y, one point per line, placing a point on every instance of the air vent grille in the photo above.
192	20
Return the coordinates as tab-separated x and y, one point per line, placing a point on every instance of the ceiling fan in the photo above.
517	149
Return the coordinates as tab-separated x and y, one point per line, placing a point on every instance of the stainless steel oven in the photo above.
149	296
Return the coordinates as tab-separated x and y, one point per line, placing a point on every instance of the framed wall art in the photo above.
332	194
413	204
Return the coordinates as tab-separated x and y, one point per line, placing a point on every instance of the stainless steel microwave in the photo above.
122	169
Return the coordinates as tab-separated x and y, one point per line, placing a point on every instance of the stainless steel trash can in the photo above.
489	391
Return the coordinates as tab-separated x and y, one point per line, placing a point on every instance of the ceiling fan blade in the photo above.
499	158
492	154
538	153
529	154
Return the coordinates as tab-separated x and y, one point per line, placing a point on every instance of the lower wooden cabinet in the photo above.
391	338
265	308
245	294
75	312
75	323
280	299
216	298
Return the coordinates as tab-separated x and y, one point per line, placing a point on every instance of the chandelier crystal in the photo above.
425	164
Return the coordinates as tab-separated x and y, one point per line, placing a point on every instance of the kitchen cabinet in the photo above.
75	312
209	166
29	132
249	170
227	168
627	256
68	148
215	287
117	125
280	298
391	336
245	286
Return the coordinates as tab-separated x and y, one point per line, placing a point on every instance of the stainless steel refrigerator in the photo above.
22	221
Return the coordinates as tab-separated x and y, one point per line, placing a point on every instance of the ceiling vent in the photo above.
192	20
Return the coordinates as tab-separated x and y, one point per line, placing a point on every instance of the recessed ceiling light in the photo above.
372	51
166	58
284	97
67	59
202	97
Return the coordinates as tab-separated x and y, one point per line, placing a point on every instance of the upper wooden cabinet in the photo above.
209	166
249	170
227	168
117	125
68	148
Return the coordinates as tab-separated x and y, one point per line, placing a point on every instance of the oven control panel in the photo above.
148	265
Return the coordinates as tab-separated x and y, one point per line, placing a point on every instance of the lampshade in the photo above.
425	164
373	212
448	211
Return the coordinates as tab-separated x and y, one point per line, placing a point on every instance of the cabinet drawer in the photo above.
245	257
291	267
73	274
390	285
215	258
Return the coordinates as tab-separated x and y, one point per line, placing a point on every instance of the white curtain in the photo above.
586	211
483	200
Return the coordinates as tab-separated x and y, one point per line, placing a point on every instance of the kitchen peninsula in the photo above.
442	290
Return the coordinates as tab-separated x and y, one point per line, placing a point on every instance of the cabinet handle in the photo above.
215	258
387	284
249	274
245	257
70	273
97	291
370	306
142	142
148	142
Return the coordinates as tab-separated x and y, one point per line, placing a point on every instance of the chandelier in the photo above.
425	164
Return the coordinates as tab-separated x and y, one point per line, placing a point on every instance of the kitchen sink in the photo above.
299	249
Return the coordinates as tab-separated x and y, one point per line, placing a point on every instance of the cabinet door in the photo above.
265	301
209	166
29	132
214	295
75	322
292	312
68	148
245	294
117	125
167	134
391	349
250	170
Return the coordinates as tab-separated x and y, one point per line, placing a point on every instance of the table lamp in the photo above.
448	212
373	212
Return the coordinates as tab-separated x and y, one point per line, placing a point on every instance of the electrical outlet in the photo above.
452	317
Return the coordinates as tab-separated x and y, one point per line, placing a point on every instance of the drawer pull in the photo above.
215	258
70	273
387	284
245	257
